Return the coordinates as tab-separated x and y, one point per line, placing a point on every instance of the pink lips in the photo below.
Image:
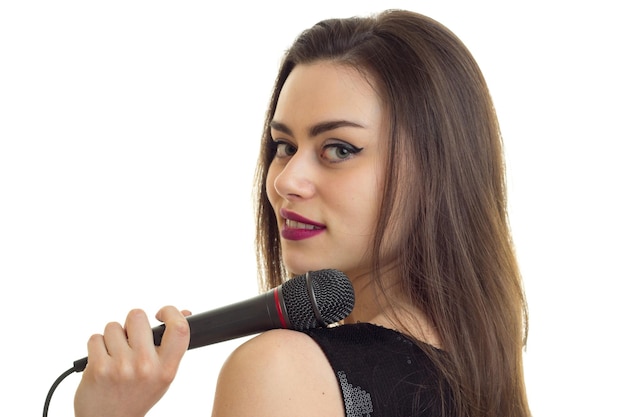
299	233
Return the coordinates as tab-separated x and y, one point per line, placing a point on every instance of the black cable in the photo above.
54	386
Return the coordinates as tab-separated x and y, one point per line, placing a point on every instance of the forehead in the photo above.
328	91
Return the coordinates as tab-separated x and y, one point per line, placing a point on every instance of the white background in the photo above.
128	136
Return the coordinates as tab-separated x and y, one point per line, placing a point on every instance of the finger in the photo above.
114	338
138	331
176	337
96	349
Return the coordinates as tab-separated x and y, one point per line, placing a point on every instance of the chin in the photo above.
300	268
300	262
295	271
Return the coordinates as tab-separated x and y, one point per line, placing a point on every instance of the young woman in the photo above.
381	158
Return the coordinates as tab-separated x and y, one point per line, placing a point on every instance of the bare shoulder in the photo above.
278	373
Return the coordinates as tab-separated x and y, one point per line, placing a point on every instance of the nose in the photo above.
295	181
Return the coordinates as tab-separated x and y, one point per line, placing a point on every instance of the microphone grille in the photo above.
333	293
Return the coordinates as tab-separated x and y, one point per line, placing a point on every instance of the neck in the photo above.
390	307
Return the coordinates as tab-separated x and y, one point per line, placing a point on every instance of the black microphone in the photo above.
315	299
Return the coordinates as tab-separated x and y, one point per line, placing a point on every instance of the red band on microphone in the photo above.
283	323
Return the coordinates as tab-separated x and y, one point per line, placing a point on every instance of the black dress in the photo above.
381	372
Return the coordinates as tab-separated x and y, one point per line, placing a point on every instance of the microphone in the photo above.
314	299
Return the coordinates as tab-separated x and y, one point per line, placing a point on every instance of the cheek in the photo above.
359	203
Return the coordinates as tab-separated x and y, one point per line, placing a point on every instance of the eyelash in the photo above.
345	147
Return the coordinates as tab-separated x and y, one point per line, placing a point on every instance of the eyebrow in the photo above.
316	129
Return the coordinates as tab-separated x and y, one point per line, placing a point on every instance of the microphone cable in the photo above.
54	386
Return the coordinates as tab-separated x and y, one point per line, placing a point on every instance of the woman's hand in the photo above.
126	373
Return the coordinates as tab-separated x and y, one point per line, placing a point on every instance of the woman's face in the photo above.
326	177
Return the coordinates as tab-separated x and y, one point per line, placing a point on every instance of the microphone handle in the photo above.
255	315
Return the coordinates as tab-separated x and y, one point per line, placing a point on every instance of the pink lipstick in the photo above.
297	227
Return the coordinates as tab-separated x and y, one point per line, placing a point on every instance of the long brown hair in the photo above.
445	186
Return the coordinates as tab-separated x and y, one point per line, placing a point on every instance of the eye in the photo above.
337	152
284	149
